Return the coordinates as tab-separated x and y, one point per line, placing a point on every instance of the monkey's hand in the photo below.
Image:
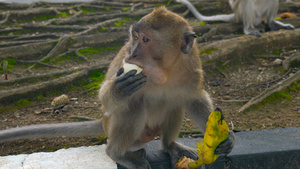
226	146
129	83
216	133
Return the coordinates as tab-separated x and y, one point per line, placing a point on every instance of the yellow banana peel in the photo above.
216	132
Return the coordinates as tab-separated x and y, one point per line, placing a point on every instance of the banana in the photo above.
127	67
216	132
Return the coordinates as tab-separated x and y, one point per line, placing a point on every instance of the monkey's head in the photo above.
158	43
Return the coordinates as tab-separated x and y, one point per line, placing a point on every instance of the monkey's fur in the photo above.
250	12
138	107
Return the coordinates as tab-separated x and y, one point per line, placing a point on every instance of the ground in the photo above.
231	81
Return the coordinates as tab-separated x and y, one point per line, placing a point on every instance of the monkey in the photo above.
138	107
250	12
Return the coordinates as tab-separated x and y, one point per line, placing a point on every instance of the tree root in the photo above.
60	47
231	101
61	55
97	40
51	21
54	28
30	91
36	62
225	48
276	88
27	51
5	19
295	58
80	56
33	50
36	77
135	6
97	26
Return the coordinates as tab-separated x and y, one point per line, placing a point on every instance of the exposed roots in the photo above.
276	88
31	90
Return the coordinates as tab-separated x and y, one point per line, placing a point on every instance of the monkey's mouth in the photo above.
132	63
130	66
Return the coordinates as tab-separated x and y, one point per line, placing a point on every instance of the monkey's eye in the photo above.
145	39
135	37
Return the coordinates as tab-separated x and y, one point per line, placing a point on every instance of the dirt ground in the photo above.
231	83
229	89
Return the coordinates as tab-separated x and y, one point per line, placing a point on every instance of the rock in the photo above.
61	100
226	97
215	83
73	99
277	62
261	68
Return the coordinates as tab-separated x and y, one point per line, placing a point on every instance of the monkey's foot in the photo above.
177	151
276	25
254	32
134	160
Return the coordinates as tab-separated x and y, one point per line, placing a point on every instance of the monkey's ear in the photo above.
188	42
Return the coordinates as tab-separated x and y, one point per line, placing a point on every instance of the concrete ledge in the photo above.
92	157
273	148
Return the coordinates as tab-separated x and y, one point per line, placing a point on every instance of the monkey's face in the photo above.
148	51
158	43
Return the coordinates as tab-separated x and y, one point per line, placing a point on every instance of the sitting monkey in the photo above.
138	106
250	12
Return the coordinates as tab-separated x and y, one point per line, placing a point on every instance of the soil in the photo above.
231	83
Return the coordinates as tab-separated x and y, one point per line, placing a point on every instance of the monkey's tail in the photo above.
199	16
77	129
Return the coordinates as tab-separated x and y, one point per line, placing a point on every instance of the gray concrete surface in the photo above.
92	157
265	149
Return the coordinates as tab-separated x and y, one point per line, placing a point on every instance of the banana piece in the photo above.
183	163
216	132
128	67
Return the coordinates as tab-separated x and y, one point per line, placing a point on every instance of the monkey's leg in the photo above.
272	23
276	25
123	131
200	109
170	131
246	12
131	160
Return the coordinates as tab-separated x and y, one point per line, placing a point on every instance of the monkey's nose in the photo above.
132	56
129	58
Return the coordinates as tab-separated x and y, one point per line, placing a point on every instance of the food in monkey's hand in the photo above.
183	163
128	67
216	132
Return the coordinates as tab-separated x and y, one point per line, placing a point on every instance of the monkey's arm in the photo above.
78	129
200	109
115	90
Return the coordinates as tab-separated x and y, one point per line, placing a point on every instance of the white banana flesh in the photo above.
128	67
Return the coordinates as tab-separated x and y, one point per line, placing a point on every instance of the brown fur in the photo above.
162	43
174	86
